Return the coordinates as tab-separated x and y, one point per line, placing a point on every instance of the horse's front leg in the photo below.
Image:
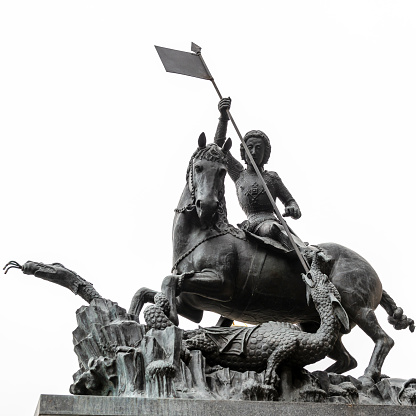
207	283
169	289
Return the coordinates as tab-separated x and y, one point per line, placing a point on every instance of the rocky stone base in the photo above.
120	357
51	405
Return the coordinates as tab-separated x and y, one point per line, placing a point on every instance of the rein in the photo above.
188	208
191	187
186	254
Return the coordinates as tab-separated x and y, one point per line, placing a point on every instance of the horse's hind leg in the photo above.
344	361
367	321
142	296
224	322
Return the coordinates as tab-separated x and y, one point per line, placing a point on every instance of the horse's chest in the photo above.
216	255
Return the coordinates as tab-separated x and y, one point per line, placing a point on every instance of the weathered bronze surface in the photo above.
243	276
224	270
252	274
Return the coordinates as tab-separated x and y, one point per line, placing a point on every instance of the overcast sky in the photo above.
96	137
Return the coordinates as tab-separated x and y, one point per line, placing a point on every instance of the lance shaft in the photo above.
257	170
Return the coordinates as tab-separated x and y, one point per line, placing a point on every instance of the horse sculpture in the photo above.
221	269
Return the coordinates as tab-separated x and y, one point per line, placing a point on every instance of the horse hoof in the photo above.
366	381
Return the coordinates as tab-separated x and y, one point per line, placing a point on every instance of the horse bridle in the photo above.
188	208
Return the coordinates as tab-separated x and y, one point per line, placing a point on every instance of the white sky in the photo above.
95	140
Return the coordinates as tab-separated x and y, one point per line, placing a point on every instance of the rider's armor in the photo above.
253	199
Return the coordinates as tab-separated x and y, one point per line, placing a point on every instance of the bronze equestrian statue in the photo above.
222	269
243	277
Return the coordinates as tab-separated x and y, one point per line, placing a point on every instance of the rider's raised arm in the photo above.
221	133
234	166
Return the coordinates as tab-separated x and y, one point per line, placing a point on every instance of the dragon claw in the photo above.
271	378
11	265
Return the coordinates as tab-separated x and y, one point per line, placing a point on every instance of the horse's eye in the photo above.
198	168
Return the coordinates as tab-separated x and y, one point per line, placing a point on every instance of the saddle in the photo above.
276	247
268	242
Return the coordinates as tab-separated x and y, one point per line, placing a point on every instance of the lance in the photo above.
193	65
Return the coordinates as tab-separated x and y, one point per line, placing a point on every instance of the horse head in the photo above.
205	177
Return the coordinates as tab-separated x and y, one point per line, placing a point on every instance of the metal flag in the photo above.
184	63
193	65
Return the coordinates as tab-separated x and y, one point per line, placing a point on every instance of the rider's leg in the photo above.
275	231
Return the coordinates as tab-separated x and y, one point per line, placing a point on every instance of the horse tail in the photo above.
396	317
142	296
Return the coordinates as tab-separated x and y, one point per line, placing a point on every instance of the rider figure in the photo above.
261	219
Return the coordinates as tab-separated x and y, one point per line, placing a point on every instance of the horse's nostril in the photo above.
198	203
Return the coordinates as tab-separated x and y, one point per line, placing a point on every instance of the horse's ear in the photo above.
227	145
202	140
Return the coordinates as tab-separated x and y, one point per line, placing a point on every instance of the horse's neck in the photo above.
187	229
185	224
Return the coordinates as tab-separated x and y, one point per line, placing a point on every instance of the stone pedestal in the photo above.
52	405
